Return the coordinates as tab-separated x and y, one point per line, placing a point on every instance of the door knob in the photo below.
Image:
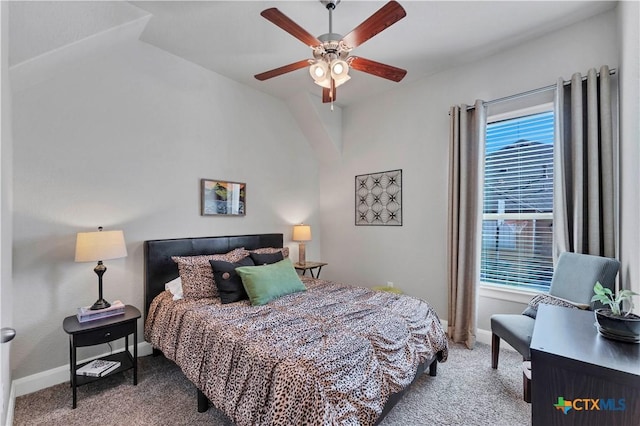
8	334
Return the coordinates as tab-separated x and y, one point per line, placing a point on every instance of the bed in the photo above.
332	354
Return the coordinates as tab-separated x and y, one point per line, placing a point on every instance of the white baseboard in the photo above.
484	336
54	376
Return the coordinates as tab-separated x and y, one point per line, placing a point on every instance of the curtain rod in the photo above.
532	92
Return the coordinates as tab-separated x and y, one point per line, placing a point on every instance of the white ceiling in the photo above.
232	39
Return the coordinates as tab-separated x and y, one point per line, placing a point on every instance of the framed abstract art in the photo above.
379	198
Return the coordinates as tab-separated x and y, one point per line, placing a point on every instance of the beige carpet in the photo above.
466	392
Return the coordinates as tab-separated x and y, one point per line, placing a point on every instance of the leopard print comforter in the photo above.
331	355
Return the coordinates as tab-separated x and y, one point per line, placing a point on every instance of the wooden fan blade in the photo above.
284	22
377	69
326	93
282	70
386	16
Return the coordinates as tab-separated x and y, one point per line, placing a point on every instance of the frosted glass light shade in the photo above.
302	233
319	70
339	69
101	245
326	83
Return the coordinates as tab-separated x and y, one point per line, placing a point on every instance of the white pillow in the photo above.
175	288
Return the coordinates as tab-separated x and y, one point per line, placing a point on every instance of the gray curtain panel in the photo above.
584	168
466	176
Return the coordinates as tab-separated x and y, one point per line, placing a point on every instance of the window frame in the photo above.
511	292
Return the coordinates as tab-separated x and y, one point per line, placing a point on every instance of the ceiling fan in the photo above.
331	52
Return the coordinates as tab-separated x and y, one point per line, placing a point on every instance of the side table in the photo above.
100	331
310	266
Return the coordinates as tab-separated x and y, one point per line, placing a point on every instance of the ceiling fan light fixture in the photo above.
331	61
319	71
339	68
326	83
341	80
323	71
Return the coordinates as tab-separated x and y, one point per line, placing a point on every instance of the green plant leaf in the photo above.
600	298
614	301
597	288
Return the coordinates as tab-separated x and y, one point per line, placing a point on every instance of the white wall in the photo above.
6	293
122	140
408	129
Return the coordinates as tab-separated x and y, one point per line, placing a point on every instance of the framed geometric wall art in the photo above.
222	198
379	198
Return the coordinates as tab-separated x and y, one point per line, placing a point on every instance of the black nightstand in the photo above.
102	331
310	266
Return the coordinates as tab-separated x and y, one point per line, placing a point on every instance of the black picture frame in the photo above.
378	199
222	198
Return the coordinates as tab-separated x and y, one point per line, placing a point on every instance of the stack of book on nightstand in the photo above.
87	314
97	368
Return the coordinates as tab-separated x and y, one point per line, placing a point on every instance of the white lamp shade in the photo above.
302	233
101	245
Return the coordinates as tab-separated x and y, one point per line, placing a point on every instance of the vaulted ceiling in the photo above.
232	39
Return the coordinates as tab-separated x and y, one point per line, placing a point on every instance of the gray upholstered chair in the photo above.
573	279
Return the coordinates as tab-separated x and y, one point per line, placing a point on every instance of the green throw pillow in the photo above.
268	282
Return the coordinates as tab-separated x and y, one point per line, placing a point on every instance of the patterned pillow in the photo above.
547	299
271	250
197	275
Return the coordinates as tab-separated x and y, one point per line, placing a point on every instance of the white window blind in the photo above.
517	222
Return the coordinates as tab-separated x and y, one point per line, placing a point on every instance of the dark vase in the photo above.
618	327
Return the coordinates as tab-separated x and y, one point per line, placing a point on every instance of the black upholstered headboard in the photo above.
160	269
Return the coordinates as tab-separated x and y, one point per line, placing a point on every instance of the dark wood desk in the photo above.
572	361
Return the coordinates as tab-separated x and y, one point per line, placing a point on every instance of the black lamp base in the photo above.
100	269
100	304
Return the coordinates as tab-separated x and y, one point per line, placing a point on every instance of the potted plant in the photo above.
613	322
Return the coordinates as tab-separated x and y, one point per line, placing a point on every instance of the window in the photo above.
517	220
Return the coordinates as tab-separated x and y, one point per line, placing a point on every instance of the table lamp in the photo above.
99	246
301	233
